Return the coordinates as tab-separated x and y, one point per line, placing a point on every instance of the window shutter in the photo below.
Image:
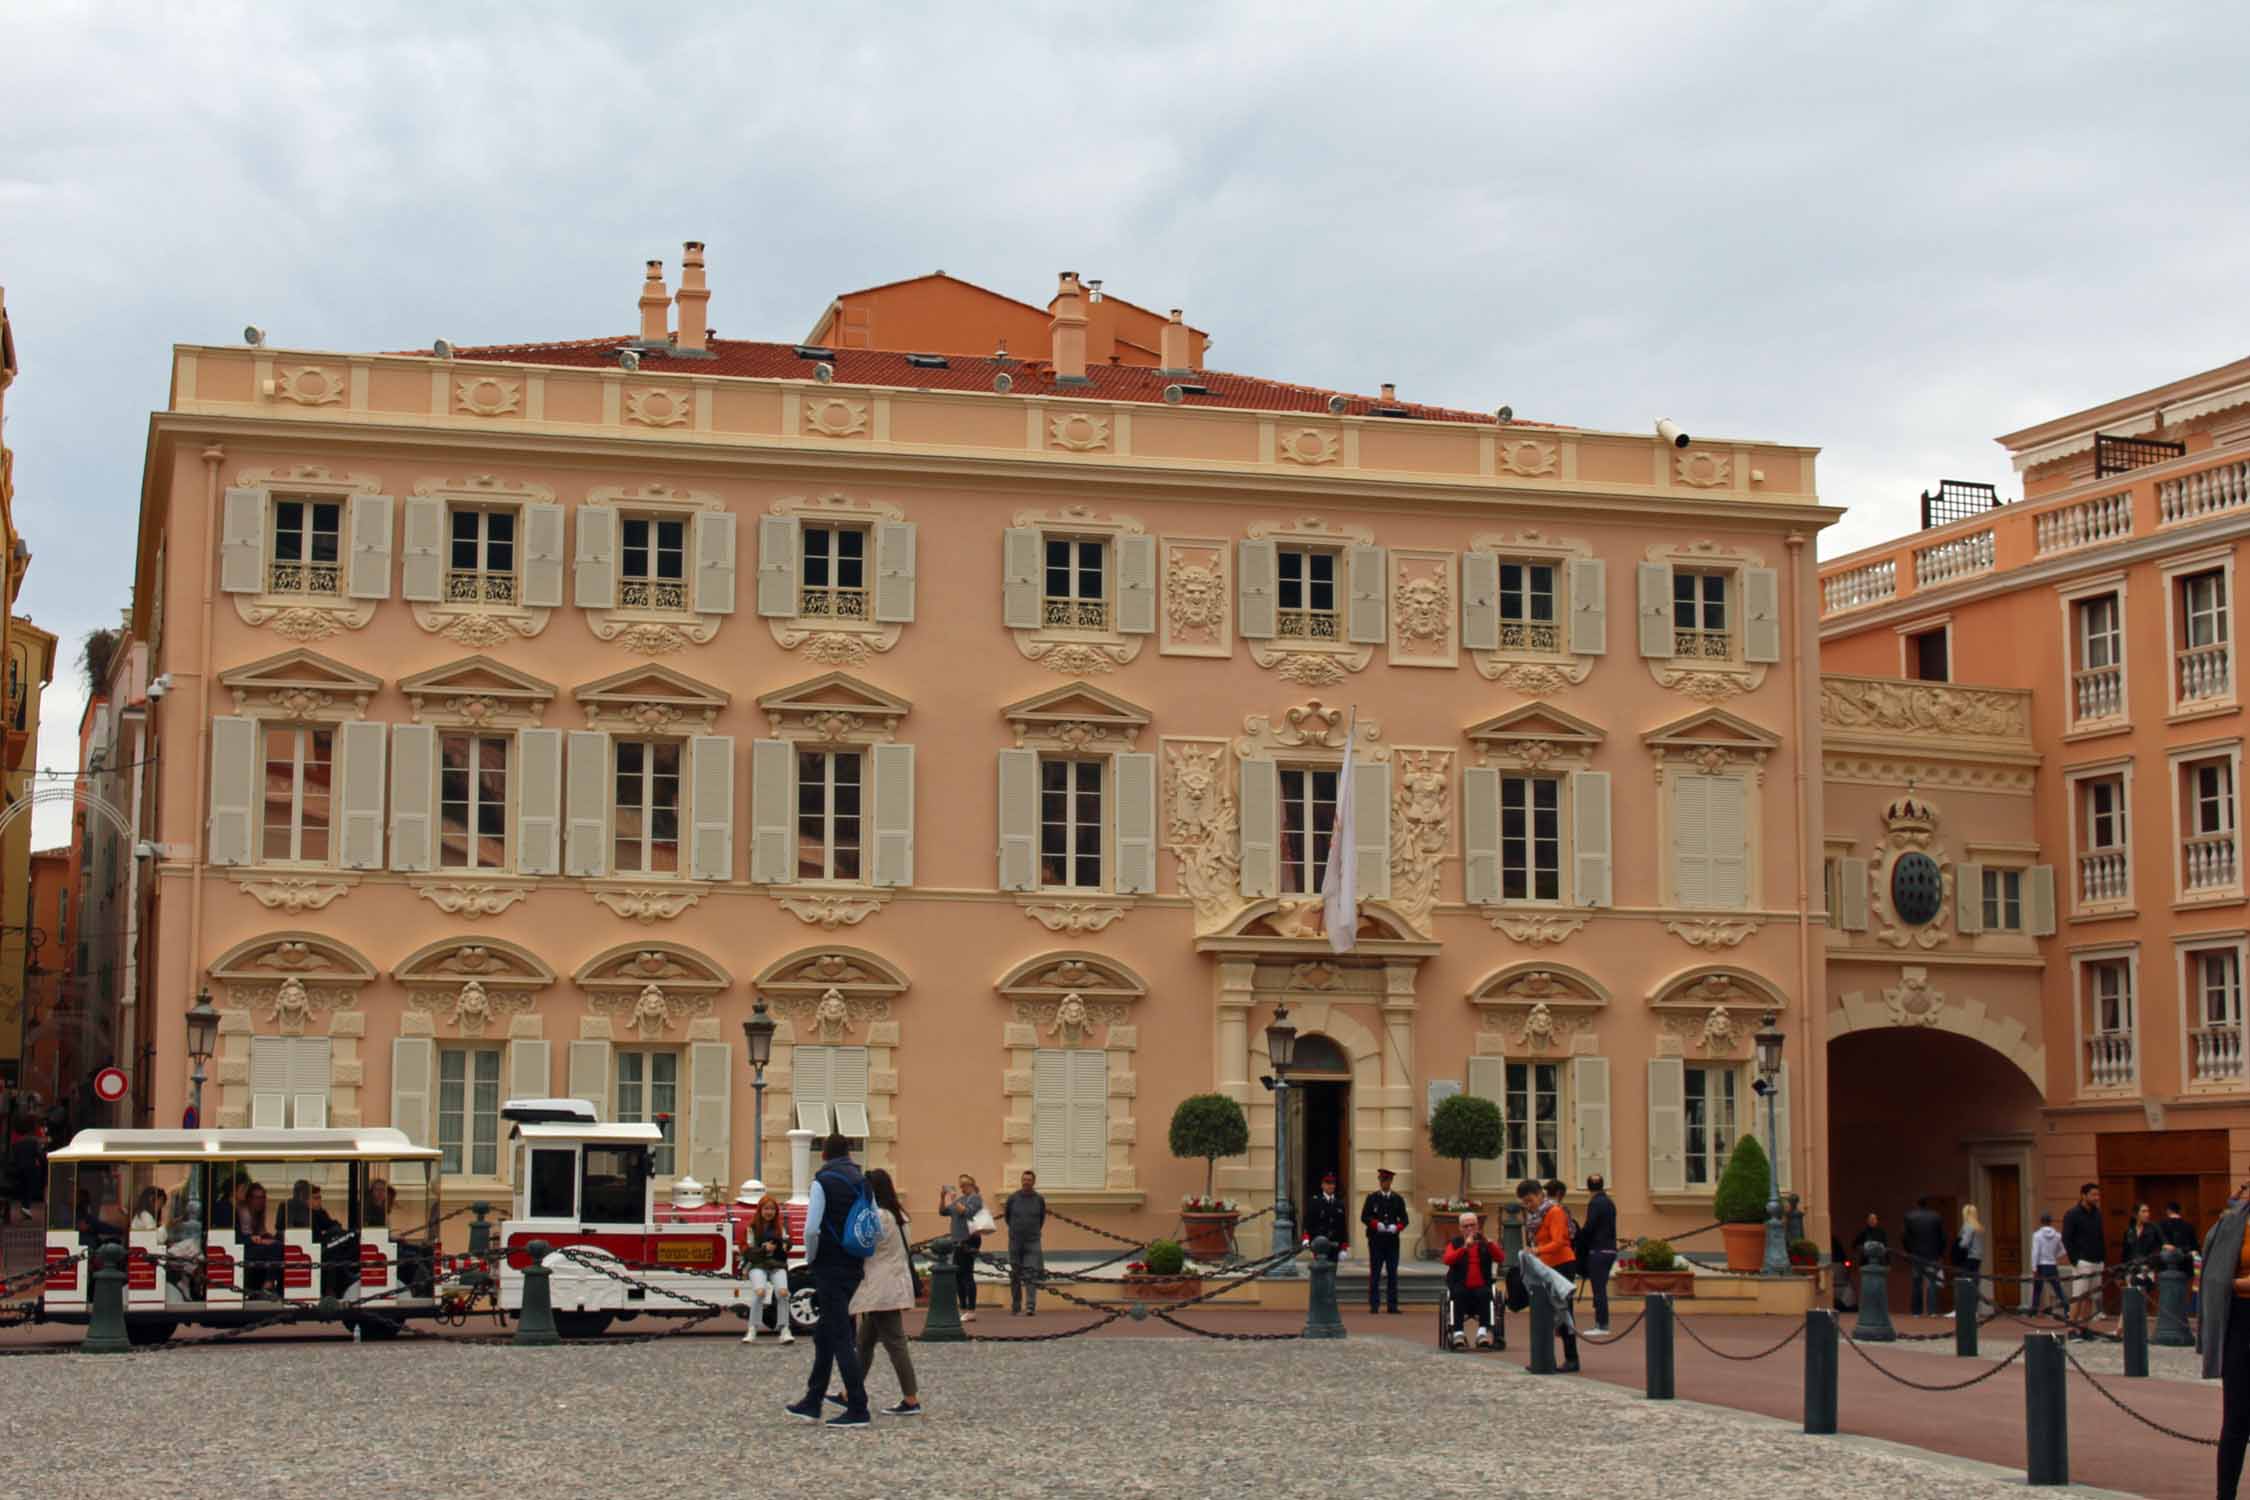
242	543
368	576
236	772
894	572
714	562
1730	841
1589	606
1655	581
1667	1125
1589	1102
1488	1079
894	815
422	574
1781	1173
538	801
1691	841
413	1077
585	848
1020	593
2039	900
847	1090
1852	873
711	768
777	567
1589	837
594	568
414	751
543	554
590	1075
269	1082
1480	601
1050	1114
1133	795
530	1070
773	812
809	1072
1369	611
1761	615
1968	898
1136	585
1257	580
1019	820
710	1123
1480	835
308	1081
359	795
1371	817
1260	818
1089	1118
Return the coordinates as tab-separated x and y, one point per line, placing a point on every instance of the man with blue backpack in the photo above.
841	1231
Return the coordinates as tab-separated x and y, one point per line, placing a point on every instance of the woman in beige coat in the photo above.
886	1295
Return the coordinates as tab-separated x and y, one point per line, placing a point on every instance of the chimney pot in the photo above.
1067	324
694	299
655	306
1390	391
1172	346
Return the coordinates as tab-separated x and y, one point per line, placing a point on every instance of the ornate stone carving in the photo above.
651	1012
647	903
1070	1019
488	396
659	406
1200	824
1910	827
1310	725
1913	1002
285	893
475	630
472	986
1702	469
1543	1031
308	385
1423	609
651	700
1078	431
1713	932
1074	916
1196	608
653	640
290	978
832	1016
1082	658
1524	456
473	1009
833	416
1309	668
1537	931
1715	1032
458	899
1420	832
829	912
1707	686
1865	704
1311	446
1313	976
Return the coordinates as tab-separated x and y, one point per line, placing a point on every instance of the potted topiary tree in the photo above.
1652	1265
1740	1204
1464	1128
1163	1275
1209	1126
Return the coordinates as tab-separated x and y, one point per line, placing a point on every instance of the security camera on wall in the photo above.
1670	432
254	336
628	361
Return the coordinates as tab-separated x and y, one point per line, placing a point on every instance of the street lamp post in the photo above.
202	1041
1769	1040
1281	1051
757	1034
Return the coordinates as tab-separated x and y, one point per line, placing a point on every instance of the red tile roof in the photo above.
1032	377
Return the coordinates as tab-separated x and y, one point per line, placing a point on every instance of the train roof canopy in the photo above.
366	1143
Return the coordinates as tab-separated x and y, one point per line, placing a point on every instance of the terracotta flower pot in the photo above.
1208	1236
1642	1283
1162	1288
1746	1246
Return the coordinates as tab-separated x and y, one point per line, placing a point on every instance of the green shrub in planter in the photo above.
1463	1127
1209	1126
1744	1186
1656	1255
1805	1250
1166	1257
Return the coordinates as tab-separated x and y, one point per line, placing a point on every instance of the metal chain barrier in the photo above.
1930	1338
710	1309
1958	1385
1744	1359
2149	1422
1259	1271
1611	1338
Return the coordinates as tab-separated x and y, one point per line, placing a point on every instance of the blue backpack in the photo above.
863	1227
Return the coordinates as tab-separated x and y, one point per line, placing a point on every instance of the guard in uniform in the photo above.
1383	1216
1324	1217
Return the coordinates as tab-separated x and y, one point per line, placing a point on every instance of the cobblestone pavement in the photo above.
1108	1417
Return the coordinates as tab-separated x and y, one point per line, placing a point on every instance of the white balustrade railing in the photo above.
2109	1060
2211	862
2205	672
1870	583
2100	694
2102	877
1962	557
2215	1054
2099	520
2194	496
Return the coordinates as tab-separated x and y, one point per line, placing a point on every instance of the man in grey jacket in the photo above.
1024	1216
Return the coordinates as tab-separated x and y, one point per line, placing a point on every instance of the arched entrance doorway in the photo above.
1921	1112
1320	1107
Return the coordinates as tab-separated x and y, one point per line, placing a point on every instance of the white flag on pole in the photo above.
1339	883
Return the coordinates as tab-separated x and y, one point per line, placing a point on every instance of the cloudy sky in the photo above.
1891	231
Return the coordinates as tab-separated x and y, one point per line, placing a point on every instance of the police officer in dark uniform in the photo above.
1324	1216
1383	1216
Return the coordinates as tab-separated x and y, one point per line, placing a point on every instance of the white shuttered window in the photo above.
1710	841
829	1088
289	1082
1070	1118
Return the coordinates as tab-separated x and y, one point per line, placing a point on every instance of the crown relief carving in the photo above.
488	396
659	406
1079	432
835	416
1311	446
1527	458
308	385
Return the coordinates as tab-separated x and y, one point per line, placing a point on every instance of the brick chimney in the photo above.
1172	347
1068	325
693	298
656	304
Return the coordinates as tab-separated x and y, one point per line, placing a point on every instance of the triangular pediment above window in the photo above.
476	690
651	699
1711	728
1076	711
1537	721
302	684
834	700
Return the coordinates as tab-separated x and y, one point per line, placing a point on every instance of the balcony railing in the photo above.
1308	625
1529	635
2215	1054
2211	862
1871	583
305	578
2102	877
467	586
1962	557
1707	645
2099	694
2204	674
2089	521
832	604
652	593
2191	497
1077	614
2109	1060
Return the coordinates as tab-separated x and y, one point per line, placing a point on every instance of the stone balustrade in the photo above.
2191	497
2099	693
2215	1054
2205	673
2102	519
1871	583
2102	877
2211	862
1948	561
2109	1060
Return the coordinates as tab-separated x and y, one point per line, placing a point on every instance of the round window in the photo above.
1916	891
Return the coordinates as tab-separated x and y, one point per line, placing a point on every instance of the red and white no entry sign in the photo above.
110	1085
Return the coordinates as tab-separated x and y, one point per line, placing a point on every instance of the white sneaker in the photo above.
788	1336
1484	1339
750	1334
1601	1330
1460	1340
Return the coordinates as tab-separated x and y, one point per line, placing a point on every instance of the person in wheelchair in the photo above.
1472	1268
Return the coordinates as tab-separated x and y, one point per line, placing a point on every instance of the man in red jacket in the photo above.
1471	1268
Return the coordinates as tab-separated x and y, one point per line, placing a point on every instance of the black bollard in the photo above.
1821	1350
2133	1326
1321	1318
942	1323
1874	1325
105	1325
1542	1332
2172	1300
479	1274
535	1321
2046	1410
1965	1323
1656	1340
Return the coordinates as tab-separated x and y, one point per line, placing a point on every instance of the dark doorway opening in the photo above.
1323	1137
